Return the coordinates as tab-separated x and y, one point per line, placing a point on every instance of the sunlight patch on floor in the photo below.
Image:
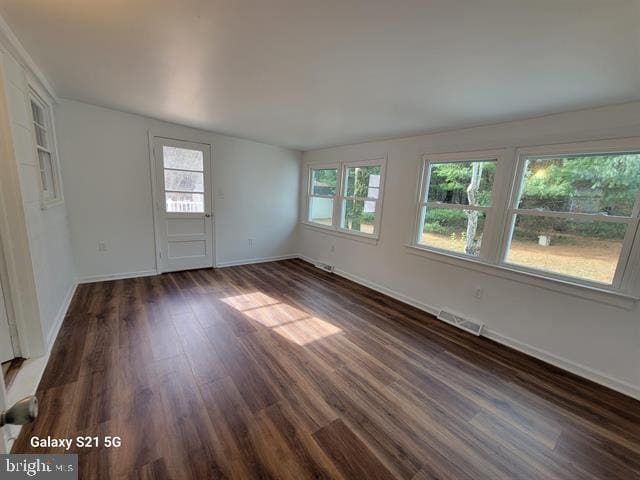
307	330
275	315
248	301
291	323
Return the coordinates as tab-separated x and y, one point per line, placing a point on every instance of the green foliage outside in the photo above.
593	184
325	179
444	222
357	185
449	182
589	184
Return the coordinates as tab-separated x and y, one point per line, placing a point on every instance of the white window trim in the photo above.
597	147
321	166
339	198
497	231
490	211
47	109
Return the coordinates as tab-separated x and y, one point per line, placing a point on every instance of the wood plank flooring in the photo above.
10	370
280	370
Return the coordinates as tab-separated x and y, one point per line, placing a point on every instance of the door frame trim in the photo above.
16	267
152	134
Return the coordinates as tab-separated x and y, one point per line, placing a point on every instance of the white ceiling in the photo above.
313	73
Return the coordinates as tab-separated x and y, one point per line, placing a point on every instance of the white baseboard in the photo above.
560	362
53	333
553	359
235	263
116	276
148	273
389	292
30	373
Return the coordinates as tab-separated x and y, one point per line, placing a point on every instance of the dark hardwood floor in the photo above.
10	370
280	370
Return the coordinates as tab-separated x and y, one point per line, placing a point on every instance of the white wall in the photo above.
590	338
48	229
105	168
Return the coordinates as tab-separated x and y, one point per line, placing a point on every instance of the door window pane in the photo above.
576	248
462	183
183	181
182	158
184	202
321	210
324	181
359	215
456	230
586	183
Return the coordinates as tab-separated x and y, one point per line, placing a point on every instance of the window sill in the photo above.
602	295
358	237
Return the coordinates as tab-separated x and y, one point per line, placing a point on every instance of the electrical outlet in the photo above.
250	242
102	246
333	248
479	293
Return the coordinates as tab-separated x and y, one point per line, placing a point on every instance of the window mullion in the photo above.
596	217
337	204
455	206
625	268
322	196
628	275
509	183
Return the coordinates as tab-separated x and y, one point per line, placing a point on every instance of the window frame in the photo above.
166	190
343	198
632	221
506	192
425	179
310	169
34	97
339	199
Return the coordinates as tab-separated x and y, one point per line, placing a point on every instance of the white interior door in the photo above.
6	349
184	221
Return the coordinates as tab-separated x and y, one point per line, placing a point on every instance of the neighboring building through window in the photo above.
323	185
183	180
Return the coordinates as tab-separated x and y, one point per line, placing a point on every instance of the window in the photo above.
346	197
183	180
565	212
456	198
322	194
361	191
573	212
42	130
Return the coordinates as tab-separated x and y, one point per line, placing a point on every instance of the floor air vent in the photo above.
463	323
324	266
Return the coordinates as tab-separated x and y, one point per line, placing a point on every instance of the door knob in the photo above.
23	412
